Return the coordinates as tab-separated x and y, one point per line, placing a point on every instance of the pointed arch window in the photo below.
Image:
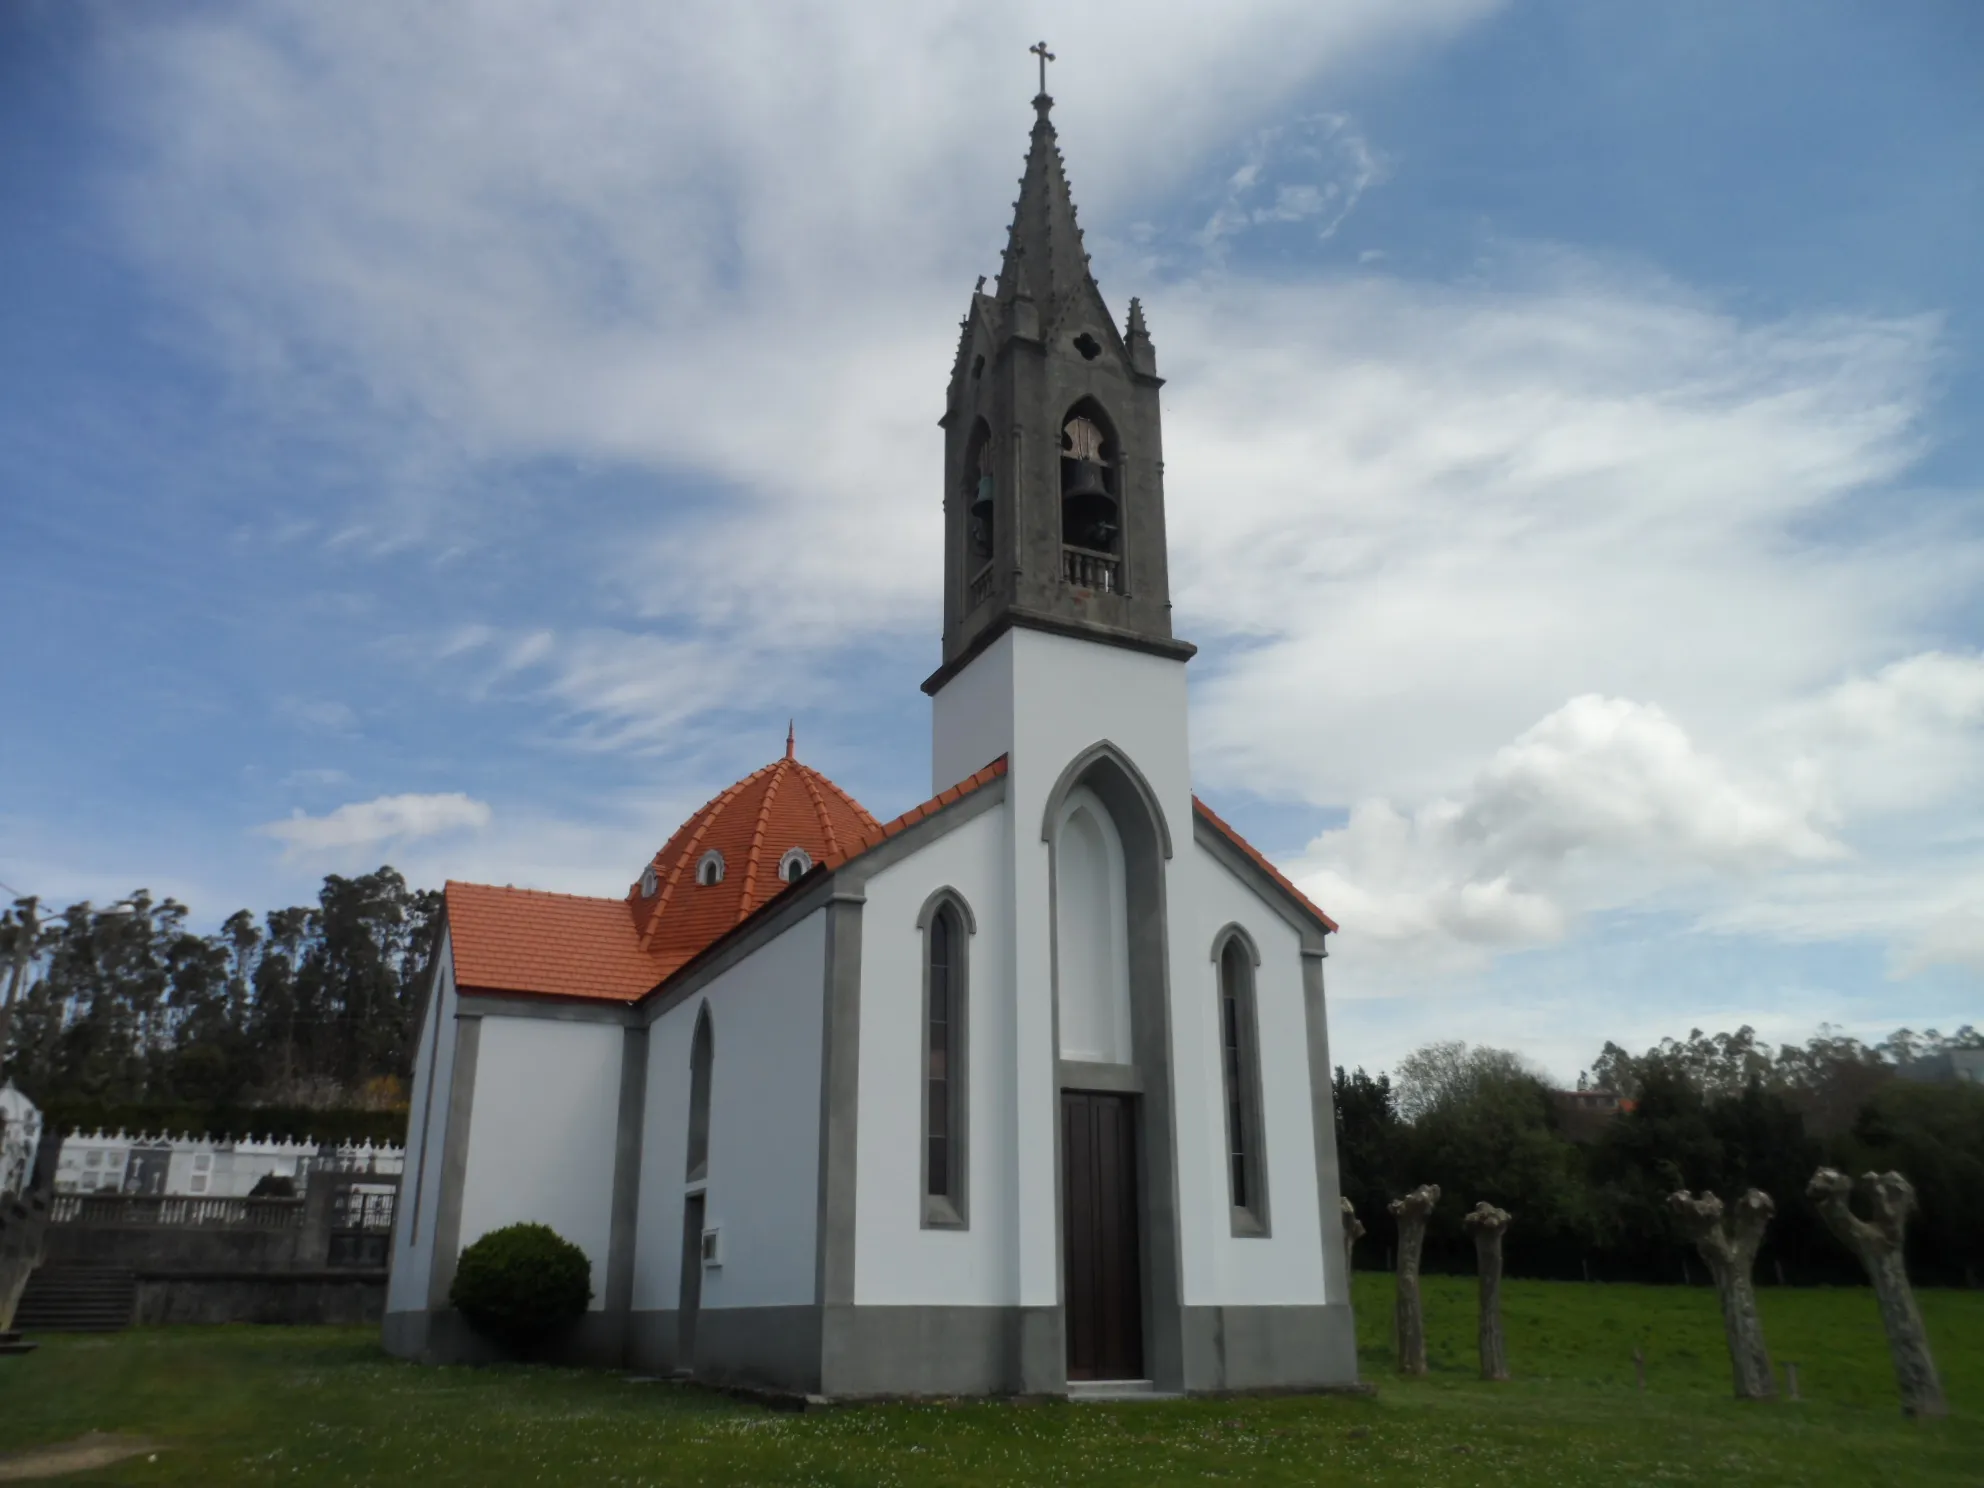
702	1056
947	924
1240	1081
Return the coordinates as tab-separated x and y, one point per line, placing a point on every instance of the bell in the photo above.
1086	481
981	501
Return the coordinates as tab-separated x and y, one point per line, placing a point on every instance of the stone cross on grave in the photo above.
1039	49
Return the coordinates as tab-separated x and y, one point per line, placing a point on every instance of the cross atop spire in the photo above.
1044	260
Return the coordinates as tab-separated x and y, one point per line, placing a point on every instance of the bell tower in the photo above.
1053	466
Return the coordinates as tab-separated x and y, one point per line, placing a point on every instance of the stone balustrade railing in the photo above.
1085	568
175	1211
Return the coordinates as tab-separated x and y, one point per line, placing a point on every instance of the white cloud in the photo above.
1953	936
1423	517
1908	737
378	822
1604	801
1331	165
1605	775
1409	520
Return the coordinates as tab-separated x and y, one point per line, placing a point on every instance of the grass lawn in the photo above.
315	1405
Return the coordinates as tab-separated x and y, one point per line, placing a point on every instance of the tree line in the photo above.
125	1016
1719	1113
300	1023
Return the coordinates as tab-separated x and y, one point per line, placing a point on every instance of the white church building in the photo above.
1027	1088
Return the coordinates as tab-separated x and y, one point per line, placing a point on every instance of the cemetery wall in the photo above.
305	1297
178	1247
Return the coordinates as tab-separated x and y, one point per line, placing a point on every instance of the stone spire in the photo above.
1044	261
1136	339
1054	471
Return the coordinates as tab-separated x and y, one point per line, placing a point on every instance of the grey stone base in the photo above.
596	1341
921	1351
776	1348
866	1352
652	1342
1246	1349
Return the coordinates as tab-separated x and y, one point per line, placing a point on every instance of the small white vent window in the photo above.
794	865
710	869
650	885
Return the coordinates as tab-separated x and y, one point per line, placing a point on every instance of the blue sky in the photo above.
461	437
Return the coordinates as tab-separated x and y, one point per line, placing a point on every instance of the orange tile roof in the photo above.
753	825
875	838
525	940
1213	820
619	950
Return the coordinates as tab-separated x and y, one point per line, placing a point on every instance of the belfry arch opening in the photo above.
1091	498
980	493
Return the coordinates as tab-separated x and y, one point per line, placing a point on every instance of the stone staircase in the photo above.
77	1299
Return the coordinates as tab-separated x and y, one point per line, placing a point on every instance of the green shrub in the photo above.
521	1283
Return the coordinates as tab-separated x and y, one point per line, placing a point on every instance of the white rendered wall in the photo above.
971	723
1042	699
762	1187
426	1134
1285	1266
896	1260
542	1133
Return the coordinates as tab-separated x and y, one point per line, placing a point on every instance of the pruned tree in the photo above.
1879	1246
1729	1248
1353	1230
1488	1224
1412	1212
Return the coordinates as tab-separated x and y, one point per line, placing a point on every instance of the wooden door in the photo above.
1104	1281
692	1282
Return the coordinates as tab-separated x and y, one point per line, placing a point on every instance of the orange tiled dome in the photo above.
725	861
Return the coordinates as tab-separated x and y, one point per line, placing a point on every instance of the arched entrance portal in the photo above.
1118	1188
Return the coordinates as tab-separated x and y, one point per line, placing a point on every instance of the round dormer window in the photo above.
709	869
794	865
650	885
